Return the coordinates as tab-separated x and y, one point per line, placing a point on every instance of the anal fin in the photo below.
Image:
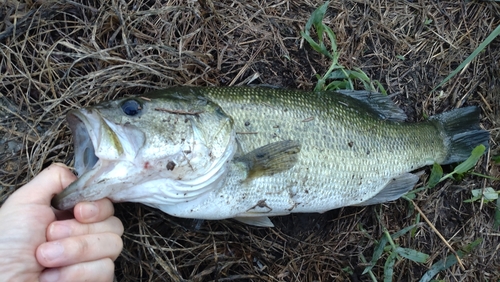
397	187
260	221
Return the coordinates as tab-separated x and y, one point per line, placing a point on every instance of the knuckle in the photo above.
89	228
83	245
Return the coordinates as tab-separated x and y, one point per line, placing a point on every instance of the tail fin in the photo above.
461	131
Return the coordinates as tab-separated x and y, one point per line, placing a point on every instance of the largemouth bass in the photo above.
258	152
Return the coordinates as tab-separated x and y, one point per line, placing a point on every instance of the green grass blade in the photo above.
472	160
496	159
450	260
333	42
417	221
473	199
338	74
342	79
436	174
403	231
480	48
413	255
485	176
381	88
389	267
379	249
372	276
316	21
377	253
339	84
490	194
468	163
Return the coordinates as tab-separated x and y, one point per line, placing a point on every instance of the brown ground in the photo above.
59	55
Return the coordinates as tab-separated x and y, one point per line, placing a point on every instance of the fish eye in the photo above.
131	107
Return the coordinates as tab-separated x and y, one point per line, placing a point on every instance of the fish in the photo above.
259	151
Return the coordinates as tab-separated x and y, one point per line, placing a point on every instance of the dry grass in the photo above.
59	55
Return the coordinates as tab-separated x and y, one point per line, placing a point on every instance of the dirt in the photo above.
60	55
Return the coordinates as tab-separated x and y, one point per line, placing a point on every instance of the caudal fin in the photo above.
462	132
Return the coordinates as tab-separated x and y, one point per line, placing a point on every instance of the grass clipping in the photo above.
60	55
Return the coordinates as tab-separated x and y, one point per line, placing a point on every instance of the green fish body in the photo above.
296	151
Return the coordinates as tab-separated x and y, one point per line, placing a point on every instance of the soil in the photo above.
60	55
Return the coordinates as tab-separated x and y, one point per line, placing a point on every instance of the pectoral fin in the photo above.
270	159
260	221
397	187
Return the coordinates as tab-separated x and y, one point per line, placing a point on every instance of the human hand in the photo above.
37	245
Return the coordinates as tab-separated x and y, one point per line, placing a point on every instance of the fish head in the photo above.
148	149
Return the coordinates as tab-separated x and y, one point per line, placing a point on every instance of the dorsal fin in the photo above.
376	103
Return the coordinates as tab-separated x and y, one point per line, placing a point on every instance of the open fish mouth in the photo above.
99	147
86	160
84	150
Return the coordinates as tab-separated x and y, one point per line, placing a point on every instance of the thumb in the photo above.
41	189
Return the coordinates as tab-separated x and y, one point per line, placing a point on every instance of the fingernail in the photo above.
59	230
52	250
89	210
50	275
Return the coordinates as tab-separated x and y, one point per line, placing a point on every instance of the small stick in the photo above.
178	112
439	235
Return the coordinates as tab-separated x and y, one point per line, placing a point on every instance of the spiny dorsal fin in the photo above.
270	159
377	103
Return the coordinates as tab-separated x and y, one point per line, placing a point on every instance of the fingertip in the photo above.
120	226
49	253
66	176
118	247
89	212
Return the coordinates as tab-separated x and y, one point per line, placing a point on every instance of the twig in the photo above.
439	235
